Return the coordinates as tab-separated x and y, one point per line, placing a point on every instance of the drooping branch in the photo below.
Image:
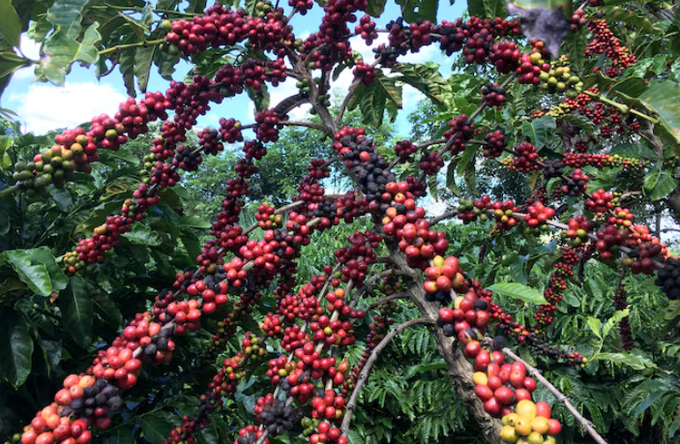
363	376
587	425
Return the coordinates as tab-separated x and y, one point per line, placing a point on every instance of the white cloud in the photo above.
47	107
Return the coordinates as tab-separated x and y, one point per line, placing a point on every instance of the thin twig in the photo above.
363	376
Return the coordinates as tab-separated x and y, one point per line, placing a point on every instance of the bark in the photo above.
458	367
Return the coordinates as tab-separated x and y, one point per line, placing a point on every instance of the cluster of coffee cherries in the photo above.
600	201
493	94
495	144
563	271
620	303
560	79
407	223
575	183
526	156
604	42
265	217
497	383
404	149
441	277
530	423
49	427
279	417
468	317
537	217
645	258
577	230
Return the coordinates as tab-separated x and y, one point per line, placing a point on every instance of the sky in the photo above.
43	106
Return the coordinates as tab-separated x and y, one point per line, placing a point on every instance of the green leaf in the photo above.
35	276
373	99
107	309
65	15
143	60
121	435
143	235
659	184
580	121
574	46
16	348
630	149
413	10
10	24
426	79
77	313
192	221
630	86
627	15
155	429
10	62
62	51
673	310
376	7
43	255
663	98
62	198
52	351
614	320
494	8
595	325
519	291
539	130
126	64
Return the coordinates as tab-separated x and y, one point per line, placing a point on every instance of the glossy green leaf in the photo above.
143	61
630	149
10	62
630	86
494	8
77	311
580	121
519	291
636	362
62	51
65	15
627	15
107	309
62	199
143	235
34	275
155	428
426	79
126	64
574	46
43	255
595	325
121	435
663	98
51	351
16	349
614	320
539	130
659	184
413	10
192	221
373	99
376	7
10	24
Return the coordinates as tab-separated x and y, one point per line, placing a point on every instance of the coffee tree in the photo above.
577	100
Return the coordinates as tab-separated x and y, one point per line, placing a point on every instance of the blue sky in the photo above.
43	106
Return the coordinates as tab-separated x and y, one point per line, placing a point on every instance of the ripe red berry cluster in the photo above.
604	42
461	130
431	163
493	94
526	157
404	149
575	183
505	56
600	201
441	277
495	143
620	303
578	229
366	29
365	72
